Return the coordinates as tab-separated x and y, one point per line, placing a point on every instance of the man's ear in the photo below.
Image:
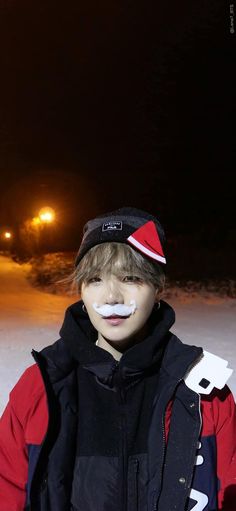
158	295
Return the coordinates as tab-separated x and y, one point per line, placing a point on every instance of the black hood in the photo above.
78	332
77	346
80	337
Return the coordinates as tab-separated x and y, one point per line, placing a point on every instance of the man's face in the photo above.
110	290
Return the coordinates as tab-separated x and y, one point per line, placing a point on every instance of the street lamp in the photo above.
7	235
6	239
47	215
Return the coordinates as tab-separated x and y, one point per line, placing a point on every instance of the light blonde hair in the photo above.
119	259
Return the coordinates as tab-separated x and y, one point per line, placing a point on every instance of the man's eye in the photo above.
132	278
94	280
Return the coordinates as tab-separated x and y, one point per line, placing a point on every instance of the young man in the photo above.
119	415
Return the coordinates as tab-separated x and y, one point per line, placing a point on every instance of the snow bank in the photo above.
30	318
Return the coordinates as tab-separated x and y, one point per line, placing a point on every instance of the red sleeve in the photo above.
13	462
225	428
23	421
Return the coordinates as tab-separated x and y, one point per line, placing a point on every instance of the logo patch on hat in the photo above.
112	226
147	241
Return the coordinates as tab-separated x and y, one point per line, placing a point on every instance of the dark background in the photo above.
110	103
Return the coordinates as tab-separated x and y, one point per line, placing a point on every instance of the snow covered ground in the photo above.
30	319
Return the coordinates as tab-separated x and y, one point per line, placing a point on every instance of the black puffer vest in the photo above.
105	448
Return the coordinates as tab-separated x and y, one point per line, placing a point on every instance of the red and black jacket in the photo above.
50	460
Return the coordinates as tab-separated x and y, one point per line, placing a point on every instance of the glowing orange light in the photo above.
7	235
47	215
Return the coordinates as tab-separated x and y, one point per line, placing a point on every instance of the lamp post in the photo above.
46	217
6	239
35	234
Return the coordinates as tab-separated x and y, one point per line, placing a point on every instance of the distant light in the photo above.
47	215
36	221
7	235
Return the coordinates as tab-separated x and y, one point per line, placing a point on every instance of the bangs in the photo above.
118	259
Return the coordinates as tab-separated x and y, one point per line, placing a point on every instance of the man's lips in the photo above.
115	320
114	316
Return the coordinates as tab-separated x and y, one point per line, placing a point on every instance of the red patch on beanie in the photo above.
147	241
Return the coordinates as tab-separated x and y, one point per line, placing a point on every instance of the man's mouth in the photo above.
114	316
115	320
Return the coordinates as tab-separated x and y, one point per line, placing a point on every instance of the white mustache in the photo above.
118	309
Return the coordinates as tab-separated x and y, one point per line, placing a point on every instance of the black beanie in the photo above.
125	225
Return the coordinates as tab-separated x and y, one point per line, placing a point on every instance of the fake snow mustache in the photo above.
118	309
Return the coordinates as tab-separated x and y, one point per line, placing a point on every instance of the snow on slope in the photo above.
30	319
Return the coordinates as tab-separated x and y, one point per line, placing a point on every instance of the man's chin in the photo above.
121	344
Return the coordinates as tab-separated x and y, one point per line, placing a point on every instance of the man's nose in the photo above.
113	293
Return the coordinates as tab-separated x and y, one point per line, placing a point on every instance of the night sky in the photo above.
108	103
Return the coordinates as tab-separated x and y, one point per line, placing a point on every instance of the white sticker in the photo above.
211	371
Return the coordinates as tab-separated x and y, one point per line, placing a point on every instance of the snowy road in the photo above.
31	319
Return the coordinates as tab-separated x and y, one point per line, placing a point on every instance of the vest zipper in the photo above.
156	502
198	438
157	496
